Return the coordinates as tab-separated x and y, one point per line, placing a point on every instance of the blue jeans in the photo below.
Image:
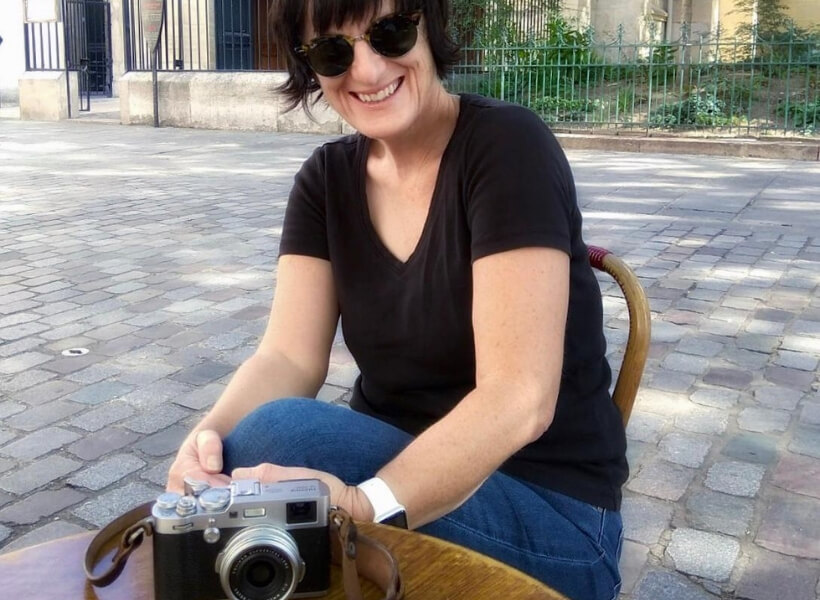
570	545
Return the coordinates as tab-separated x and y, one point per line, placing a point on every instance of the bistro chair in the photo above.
637	345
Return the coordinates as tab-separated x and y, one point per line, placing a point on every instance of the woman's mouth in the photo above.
382	94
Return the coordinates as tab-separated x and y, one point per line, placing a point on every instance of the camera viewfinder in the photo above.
301	512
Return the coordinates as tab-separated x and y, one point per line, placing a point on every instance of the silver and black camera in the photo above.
247	541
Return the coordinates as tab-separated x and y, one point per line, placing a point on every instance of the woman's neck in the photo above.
425	140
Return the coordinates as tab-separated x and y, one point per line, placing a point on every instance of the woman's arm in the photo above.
520	302
291	360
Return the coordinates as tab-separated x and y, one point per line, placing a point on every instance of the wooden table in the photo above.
431	568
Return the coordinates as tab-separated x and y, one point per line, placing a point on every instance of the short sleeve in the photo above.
305	228
519	187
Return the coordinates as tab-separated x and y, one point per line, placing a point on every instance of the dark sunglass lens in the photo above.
394	36
330	56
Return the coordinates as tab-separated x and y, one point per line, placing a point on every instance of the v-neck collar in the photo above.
396	264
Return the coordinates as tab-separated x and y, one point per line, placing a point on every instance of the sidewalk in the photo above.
155	250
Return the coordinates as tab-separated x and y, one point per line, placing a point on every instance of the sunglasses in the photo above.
391	36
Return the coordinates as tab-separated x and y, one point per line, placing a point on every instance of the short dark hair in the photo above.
287	22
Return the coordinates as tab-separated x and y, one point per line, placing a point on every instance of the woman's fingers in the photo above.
209	450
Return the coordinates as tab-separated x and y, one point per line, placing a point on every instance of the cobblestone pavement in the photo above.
155	250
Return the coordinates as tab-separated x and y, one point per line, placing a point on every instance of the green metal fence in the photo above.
709	83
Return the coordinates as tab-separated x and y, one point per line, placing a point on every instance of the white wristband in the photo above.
384	502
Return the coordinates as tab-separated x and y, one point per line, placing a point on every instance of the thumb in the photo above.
209	449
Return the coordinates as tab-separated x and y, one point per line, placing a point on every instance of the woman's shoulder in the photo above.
483	112
504	129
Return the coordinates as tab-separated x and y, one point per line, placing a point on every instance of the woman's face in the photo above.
382	97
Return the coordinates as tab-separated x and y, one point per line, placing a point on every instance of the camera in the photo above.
246	541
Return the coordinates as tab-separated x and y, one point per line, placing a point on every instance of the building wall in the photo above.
12	51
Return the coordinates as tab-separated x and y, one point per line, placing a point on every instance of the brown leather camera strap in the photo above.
357	554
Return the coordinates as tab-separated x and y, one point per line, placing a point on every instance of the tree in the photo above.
766	17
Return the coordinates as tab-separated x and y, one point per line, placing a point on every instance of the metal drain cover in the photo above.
75	351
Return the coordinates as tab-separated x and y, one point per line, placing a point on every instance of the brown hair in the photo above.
287	21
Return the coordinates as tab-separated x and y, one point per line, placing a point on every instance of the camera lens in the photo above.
260	563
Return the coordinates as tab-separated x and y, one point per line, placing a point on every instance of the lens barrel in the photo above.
261	562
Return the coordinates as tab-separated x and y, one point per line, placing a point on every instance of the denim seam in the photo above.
484	536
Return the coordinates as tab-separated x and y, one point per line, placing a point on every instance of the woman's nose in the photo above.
367	65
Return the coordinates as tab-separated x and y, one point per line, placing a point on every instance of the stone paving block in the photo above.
759	327
731	378
52	530
795	378
713	511
703	554
757	342
700	347
715	397
164	442
5	463
157	394
201	397
806	441
24	380
156	419
146	373
663	480
38	443
805	327
158	474
203	373
104	508
671	381
71	364
98	393
790	526
39	505
46	392
44	414
796	360
21	362
8	408
15	332
94	374
633	560
763	420
778	397
751	447
97	444
667	332
5	532
108	413
810	414
771	576
106	472
798	343
735	478
38	473
645	519
686	363
22	345
657	585
798	474
684	449
774	314
697	419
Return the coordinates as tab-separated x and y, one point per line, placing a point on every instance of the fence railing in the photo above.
765	86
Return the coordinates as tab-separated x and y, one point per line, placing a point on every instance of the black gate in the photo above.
88	47
234	42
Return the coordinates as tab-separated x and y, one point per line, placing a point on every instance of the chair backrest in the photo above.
637	345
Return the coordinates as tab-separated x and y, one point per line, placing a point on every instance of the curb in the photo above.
738	148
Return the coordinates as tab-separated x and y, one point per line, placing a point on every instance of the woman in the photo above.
447	236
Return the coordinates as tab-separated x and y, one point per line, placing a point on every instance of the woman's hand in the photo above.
199	458
348	497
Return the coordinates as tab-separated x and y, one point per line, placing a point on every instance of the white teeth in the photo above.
381	95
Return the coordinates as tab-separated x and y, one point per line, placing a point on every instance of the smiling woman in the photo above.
446	236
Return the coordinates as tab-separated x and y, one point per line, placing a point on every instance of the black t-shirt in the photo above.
503	183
